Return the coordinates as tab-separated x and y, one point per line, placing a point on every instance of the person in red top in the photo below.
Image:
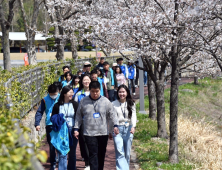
26	59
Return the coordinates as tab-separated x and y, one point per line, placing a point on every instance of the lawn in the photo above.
199	129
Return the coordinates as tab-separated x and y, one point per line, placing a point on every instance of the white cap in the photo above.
114	64
87	63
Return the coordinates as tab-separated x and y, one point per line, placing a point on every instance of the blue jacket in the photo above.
81	95
131	70
101	86
61	78
112	76
124	70
46	106
75	90
64	83
60	134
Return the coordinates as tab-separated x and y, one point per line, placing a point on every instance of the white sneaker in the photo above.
145	85
87	168
134	94
136	86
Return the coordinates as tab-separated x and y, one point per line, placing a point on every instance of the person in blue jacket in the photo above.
83	92
46	106
131	77
65	69
123	67
68	76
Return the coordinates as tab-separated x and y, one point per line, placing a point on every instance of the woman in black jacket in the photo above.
68	107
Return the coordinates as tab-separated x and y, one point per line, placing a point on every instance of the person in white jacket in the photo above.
126	113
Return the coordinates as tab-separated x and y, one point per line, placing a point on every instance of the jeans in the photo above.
62	165
52	153
145	77
131	85
111	95
97	151
72	155
123	143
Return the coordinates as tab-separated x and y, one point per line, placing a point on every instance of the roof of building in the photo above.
20	36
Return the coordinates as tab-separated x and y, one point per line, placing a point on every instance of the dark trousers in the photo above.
115	95
111	95
52	153
83	147
97	151
131	85
72	152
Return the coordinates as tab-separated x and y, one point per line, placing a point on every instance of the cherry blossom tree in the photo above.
30	30
162	33
6	17
67	16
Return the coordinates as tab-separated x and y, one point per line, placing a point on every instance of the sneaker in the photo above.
53	167
145	85
87	168
136	86
134	94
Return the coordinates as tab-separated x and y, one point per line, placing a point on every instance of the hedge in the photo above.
13	156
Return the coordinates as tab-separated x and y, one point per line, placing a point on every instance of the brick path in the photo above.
110	163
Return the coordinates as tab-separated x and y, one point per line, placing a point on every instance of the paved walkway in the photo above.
110	163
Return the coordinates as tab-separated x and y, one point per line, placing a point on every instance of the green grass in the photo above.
206	98
150	151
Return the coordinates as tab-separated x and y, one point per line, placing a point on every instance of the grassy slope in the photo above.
203	102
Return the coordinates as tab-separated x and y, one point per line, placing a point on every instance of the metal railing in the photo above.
30	82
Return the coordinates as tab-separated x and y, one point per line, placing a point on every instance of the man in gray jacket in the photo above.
94	113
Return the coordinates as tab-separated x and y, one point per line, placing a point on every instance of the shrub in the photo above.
12	155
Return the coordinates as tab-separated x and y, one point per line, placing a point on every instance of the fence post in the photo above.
141	88
8	99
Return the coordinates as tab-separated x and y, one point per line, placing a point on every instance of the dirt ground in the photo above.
51	55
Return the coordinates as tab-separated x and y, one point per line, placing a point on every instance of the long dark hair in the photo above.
120	71
73	79
80	81
101	72
129	100
66	74
65	90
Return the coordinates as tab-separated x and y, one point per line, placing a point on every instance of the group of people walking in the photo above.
90	108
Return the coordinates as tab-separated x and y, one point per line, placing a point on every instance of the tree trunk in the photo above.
162	133
74	46
31	51
5	26
60	52
60	44
173	150
30	34
152	99
6	49
30	31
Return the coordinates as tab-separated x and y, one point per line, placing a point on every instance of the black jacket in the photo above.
55	109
